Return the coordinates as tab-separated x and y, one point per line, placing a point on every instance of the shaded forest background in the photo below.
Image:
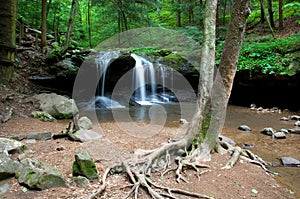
88	22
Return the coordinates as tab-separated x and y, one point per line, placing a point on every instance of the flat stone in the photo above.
290	162
244	128
227	139
284	119
280	135
39	136
268	131
294	131
86	135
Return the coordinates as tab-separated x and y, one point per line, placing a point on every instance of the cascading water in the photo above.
144	71
143	81
102	62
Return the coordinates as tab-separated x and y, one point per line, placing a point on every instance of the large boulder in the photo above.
38	175
66	68
84	165
58	106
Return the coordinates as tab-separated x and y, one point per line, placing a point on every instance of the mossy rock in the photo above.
85	166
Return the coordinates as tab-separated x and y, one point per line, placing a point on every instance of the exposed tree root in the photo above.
139	170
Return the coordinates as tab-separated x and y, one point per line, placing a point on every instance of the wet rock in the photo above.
294	131
253	106
279	135
11	146
268	131
284	119
295	117
85	123
84	165
247	145
290	162
183	121
275	110
244	128
297	123
227	139
38	175
57	106
284	131
81	181
260	109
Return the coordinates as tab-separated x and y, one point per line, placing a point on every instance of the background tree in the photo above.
8	21
280	14
70	26
44	24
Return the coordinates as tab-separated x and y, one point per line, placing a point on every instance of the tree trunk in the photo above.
207	64
44	24
178	14
262	12
224	11
213	114
280	12
89	23
70	27
8	22
271	16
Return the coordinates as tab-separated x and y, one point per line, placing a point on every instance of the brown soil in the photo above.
237	182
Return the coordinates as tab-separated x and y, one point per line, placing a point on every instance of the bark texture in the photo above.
233	44
8	14
71	25
44	24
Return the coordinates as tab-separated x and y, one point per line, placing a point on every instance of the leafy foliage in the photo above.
269	57
108	17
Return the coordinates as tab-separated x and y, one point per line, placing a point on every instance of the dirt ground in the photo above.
238	182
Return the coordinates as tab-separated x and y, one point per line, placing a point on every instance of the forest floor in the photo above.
242	181
239	182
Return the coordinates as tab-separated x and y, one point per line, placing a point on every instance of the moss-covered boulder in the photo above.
38	175
84	165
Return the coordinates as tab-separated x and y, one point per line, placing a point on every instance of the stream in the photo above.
271	150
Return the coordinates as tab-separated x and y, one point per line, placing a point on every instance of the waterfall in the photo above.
143	71
102	62
144	81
